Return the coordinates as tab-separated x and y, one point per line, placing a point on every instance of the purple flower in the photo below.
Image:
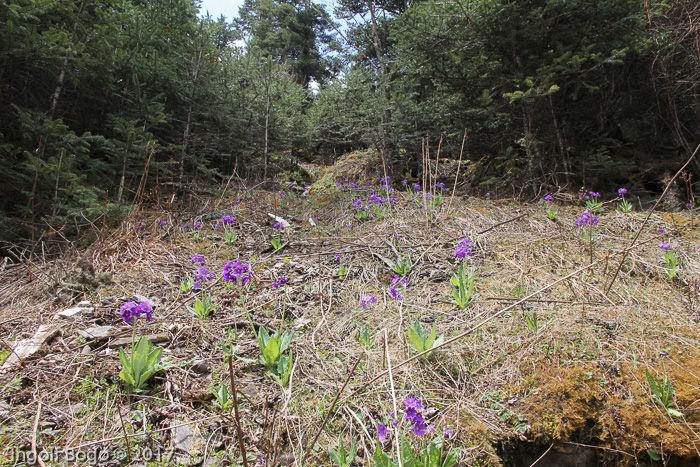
446	432
162	223
357	203
464	248
662	231
441	186
337	257
548	198
665	246
404	182
238	201
622	191
385	180
282	281
228	219
383	432
368	299
198	259
203	274
689	205
131	310
279	226
413	403
216	226
416	187
419	428
586	219
237	273
594	194
197	225
354	185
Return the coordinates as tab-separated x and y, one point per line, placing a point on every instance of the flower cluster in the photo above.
440	185
131	310
228	219
549	198
279	226
282	281
368	299
197	259
397	281
357	204
376	199
464	248
416	187
237	273
665	245
622	191
413	413
202	275
586	219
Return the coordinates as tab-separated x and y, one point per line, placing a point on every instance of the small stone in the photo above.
86	350
96	332
201	367
187	438
83	308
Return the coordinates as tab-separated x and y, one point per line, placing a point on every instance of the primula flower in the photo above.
549	198
197	225
203	274
228	219
594	194
689	205
368	299
279	226
357	203
198	259
441	186
237	273
665	245
416	187
622	191
162	223
404	182
282	281
586	219
464	248
420	428
383	432
446	432
131	310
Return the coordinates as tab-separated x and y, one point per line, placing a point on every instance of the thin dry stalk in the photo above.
393	396
239	432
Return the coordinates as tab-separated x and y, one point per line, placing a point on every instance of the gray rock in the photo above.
83	308
96	332
186	438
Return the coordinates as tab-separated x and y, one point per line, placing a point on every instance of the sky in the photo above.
216	8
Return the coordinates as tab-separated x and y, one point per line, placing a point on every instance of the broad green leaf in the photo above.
381	459
415	340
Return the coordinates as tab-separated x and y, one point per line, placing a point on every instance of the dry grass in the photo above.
507	392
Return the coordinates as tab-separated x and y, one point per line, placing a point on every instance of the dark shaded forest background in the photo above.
101	100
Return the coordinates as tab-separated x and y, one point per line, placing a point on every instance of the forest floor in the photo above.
571	353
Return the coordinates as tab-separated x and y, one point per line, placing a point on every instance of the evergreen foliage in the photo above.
101	98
